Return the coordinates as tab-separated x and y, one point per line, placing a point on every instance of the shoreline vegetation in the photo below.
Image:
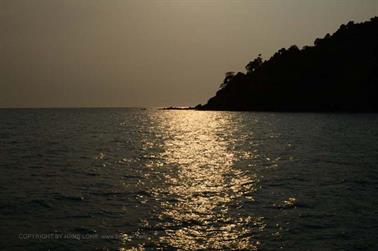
339	73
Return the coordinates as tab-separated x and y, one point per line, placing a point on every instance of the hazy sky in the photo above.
73	53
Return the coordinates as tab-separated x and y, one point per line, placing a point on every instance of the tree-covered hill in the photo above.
338	73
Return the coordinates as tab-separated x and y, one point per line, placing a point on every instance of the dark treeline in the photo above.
338	73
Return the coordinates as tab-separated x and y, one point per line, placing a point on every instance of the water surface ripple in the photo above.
121	179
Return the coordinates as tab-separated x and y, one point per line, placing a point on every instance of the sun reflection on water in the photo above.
205	187
201	191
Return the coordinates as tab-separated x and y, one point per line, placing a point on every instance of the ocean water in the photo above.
120	179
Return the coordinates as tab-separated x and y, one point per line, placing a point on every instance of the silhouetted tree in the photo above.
293	48
254	65
228	77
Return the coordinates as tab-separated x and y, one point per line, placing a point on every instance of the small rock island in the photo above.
338	73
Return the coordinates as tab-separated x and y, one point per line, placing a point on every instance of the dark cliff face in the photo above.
338	73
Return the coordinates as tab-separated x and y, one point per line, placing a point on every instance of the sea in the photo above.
149	179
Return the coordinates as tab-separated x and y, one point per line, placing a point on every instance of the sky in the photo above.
148	53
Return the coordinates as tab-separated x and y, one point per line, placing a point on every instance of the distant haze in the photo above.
94	53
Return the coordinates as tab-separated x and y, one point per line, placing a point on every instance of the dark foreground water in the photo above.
119	179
